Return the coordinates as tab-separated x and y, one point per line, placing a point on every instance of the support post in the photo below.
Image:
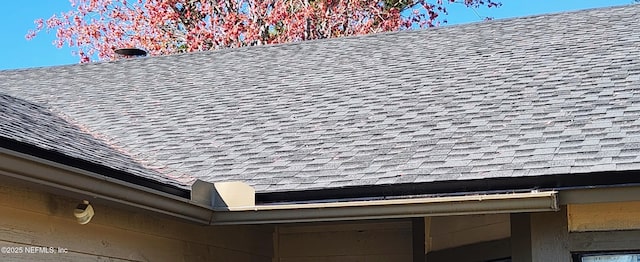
539	237
418	239
521	237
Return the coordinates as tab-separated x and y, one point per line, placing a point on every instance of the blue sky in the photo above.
17	18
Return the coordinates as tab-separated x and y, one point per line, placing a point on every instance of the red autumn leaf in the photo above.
94	28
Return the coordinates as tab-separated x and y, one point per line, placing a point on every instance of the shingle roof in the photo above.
31	124
551	94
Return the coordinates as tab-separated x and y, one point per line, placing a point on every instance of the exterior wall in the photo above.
454	231
389	240
543	236
31	218
468	238
604	216
345	241
602	227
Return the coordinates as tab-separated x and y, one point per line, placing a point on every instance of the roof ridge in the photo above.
337	39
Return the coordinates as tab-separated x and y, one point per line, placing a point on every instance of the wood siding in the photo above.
484	251
346	241
31	218
454	231
604	216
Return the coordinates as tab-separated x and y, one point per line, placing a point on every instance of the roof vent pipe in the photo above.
130	52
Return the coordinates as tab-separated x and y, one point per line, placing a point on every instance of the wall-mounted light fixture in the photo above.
83	212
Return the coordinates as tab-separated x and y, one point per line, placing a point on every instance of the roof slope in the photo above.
31	124
551	94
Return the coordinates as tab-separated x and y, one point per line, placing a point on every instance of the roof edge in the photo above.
61	177
456	187
387	209
70	179
66	160
73	180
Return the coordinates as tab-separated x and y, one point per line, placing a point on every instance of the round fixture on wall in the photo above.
83	212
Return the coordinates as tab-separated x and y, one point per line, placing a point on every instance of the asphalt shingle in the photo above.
544	95
32	124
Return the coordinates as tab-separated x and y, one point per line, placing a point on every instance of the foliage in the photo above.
97	27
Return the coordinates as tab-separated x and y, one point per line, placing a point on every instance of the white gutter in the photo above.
396	208
206	208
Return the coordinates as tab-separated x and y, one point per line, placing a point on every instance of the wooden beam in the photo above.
483	251
604	216
599	195
418	238
626	240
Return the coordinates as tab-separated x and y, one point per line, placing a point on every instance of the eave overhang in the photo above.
93	185
97	186
394	208
61	177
